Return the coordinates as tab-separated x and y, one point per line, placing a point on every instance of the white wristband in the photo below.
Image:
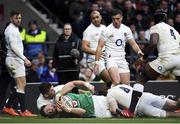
97	62
139	52
58	95
87	84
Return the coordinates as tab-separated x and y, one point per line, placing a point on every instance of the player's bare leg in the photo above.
125	78
171	105
105	76
20	91
114	75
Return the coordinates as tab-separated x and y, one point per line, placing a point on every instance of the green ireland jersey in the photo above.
83	101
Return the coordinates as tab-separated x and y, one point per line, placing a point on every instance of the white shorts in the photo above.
166	63
101	107
15	67
121	64
101	65
151	105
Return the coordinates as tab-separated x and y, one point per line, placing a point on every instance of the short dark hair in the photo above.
14	12
32	22
45	115
160	16
44	87
116	12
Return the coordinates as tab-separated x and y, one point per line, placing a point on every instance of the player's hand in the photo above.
140	54
65	107
125	113
27	62
57	98
58	106
90	87
139	62
96	69
103	54
53	70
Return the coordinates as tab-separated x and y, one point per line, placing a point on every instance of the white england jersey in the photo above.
122	93
101	107
115	40
41	101
169	39
148	104
92	34
14	42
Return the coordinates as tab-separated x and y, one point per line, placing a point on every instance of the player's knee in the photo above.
162	113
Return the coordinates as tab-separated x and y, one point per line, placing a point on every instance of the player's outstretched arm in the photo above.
72	84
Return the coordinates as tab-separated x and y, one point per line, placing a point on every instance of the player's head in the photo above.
48	110
15	18
46	89
117	18
160	16
96	18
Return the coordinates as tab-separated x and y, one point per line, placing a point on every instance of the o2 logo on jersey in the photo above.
160	68
75	103
119	42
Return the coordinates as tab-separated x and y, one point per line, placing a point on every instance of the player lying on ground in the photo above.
167	41
148	105
48	92
85	105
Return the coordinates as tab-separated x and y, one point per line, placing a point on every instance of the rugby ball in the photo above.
67	100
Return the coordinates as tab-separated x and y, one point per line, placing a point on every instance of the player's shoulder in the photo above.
11	29
124	27
40	98
159	27
8	28
109	28
103	26
155	28
90	27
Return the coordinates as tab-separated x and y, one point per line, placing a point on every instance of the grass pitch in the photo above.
41	120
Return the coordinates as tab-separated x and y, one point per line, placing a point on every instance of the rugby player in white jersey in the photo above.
115	37
167	41
89	44
15	60
149	104
86	105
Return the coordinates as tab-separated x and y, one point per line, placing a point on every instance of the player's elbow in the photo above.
84	47
83	112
